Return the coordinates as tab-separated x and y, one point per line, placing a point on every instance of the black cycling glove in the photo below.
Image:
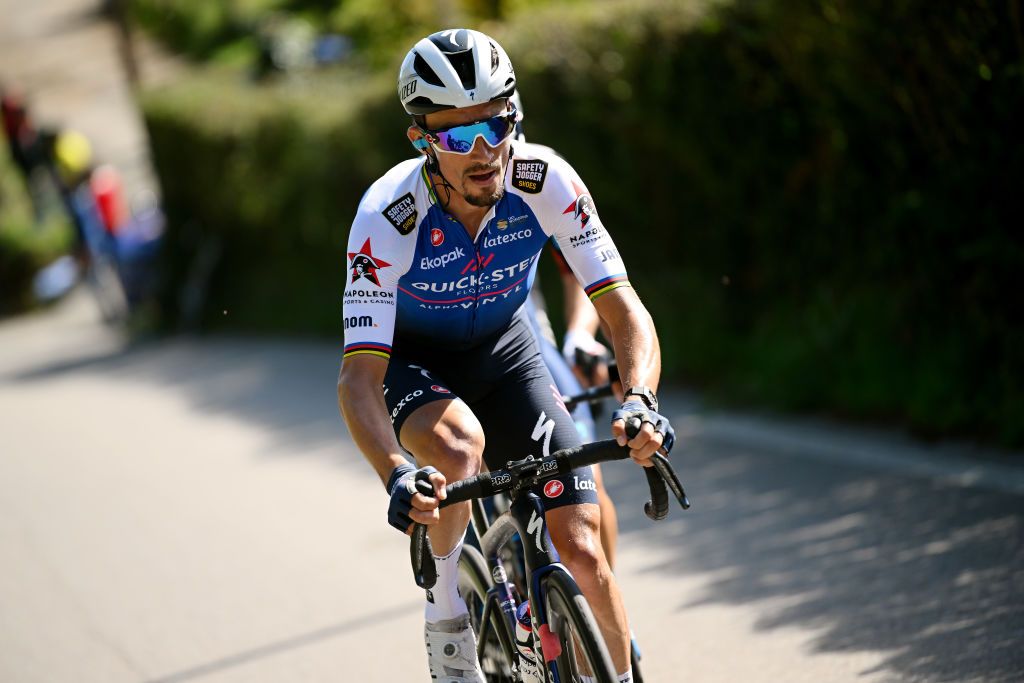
637	409
402	486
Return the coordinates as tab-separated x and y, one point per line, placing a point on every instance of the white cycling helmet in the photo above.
454	69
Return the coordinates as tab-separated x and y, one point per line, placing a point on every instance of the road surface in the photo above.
193	510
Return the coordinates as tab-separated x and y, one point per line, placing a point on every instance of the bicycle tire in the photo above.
634	660
571	619
496	652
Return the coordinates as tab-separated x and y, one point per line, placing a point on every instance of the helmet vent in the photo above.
463	64
494	59
424	71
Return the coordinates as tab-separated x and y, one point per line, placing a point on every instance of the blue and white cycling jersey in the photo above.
414	271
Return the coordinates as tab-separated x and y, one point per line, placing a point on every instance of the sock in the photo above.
443	600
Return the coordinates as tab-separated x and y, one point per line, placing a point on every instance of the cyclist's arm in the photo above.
597	265
635	342
361	401
378	255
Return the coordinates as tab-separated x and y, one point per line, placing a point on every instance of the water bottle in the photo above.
529	669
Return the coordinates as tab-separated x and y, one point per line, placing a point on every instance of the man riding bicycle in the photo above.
438	356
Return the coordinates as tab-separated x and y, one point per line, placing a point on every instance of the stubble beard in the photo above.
484	200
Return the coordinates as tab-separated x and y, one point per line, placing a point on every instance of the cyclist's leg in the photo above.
609	518
584	421
526	416
440	430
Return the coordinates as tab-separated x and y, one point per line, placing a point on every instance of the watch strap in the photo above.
645	394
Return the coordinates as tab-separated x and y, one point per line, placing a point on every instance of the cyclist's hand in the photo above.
587	357
408	502
656	433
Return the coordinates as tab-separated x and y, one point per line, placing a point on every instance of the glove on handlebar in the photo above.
402	486
639	411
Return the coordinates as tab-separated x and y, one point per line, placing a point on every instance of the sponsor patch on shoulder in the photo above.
528	175
402	213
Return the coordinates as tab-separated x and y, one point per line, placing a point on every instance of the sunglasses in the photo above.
461	138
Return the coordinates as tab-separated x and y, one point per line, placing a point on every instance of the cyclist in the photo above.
437	351
581	324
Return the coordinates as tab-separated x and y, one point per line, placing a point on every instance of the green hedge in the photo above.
25	245
814	199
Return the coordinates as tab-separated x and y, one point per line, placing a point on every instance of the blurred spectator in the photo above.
25	144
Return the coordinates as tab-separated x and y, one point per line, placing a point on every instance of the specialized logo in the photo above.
498	572
542	432
582	208
553	489
437	237
528	175
402	213
365	265
536	528
439	389
408	89
441	261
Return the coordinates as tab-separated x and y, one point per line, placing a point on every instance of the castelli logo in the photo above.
436	237
553	489
439	389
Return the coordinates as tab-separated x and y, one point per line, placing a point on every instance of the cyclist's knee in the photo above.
451	440
578	540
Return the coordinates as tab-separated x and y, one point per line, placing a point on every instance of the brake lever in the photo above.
668	476
421	553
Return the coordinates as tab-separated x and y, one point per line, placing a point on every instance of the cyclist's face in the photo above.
480	175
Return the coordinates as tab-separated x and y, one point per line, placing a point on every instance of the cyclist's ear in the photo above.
419	142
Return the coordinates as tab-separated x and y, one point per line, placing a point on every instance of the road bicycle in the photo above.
566	636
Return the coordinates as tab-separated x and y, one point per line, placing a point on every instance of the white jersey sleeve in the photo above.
567	212
381	247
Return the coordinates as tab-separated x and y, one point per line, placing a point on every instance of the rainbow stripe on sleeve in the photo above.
382	350
606	285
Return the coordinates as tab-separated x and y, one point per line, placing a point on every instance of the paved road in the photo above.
192	510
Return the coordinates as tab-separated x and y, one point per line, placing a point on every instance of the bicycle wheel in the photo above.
583	652
634	660
495	648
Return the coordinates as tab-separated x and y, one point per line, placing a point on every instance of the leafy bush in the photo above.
815	199
25	246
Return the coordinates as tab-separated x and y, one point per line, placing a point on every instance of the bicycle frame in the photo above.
525	517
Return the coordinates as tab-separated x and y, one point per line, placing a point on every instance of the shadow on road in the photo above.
931	574
289	388
354	625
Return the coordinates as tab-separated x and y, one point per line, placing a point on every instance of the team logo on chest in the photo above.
437	237
365	265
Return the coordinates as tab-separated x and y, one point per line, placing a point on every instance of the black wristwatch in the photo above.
644	394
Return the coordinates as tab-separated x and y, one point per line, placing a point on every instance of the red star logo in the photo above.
581	207
364	264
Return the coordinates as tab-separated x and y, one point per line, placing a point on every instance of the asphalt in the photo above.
192	509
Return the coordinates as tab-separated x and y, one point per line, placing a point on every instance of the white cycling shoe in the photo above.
451	651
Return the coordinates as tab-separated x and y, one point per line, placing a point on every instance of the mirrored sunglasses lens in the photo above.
461	138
